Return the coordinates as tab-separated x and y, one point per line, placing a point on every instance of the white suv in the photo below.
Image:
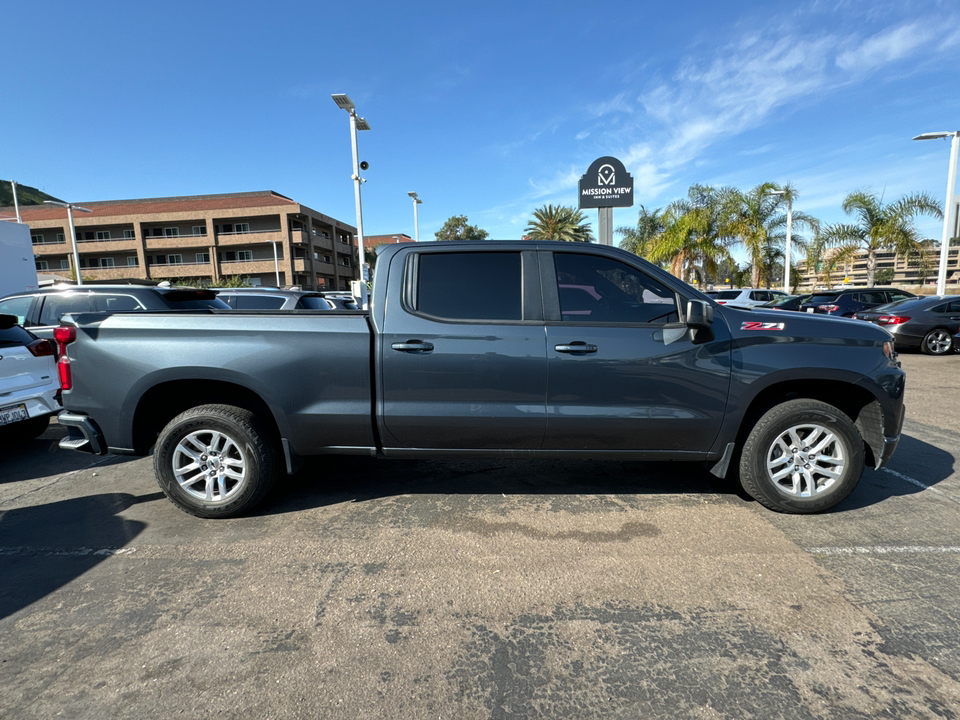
29	382
748	297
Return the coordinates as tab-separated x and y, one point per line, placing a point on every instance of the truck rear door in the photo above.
463	355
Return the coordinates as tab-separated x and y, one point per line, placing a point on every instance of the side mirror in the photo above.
699	314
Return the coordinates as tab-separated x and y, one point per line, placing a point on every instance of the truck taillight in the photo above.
64	335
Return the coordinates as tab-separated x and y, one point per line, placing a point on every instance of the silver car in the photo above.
29	382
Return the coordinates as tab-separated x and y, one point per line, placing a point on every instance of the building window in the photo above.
175	259
203	257
199	230
64	264
171	232
36	239
43	265
107	262
129	235
103	234
132	261
245	255
88	235
61	238
242	227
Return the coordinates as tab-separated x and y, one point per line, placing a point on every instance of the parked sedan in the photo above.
29	383
928	323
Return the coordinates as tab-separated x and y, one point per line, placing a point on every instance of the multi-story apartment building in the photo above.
262	237
906	271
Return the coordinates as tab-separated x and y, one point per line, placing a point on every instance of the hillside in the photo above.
26	195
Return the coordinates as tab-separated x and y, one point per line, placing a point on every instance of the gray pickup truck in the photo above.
492	349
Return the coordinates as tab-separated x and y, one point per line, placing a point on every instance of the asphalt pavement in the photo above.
501	589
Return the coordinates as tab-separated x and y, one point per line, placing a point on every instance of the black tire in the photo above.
216	461
25	429
813	484
937	342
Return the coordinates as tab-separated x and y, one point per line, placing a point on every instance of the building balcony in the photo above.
119	272
48	249
106	246
254	237
247	267
161	271
176	242
345	248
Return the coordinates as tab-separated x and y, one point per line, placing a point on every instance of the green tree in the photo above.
693	242
558	222
758	219
881	227
649	225
456	228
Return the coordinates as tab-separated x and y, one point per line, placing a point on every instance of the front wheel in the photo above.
215	461
937	342
802	456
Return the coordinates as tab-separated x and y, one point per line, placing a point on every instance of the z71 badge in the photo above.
762	326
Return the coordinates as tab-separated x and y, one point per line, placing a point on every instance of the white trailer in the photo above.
18	271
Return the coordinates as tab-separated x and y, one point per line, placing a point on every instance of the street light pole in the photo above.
416	219
73	233
356	123
948	209
787	246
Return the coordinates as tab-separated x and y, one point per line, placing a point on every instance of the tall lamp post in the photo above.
416	219
73	233
789	242
356	123
948	219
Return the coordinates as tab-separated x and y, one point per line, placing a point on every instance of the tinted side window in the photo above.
599	289
117	303
313	302
878	297
18	306
15	336
470	286
897	295
56	305
259	302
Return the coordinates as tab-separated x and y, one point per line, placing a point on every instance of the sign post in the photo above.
604	186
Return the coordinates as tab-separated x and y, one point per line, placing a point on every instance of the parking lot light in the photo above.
356	123
950	206
416	219
73	233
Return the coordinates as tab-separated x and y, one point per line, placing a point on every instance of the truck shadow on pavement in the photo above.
44	547
330	480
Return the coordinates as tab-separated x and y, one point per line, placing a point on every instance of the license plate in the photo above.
810	310
13	413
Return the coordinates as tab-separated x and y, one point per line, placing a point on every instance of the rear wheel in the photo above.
215	461
937	342
802	456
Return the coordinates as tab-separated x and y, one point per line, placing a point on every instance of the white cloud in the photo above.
886	47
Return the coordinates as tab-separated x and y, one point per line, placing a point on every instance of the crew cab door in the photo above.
462	353
623	373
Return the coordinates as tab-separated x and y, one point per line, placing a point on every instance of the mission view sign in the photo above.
606	184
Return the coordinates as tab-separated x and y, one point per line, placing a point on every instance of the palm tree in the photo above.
558	223
758	220
881	226
692	242
649	225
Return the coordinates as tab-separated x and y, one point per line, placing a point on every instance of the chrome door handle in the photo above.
413	346
576	348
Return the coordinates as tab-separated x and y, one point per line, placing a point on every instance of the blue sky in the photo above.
488	110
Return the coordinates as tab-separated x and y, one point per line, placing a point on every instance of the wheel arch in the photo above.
161	403
855	401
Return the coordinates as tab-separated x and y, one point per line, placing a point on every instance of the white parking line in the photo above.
920	484
884	550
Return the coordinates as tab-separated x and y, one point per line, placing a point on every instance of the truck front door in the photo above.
463	354
622	372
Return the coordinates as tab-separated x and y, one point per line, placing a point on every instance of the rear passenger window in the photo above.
259	302
54	306
18	306
470	286
118	303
